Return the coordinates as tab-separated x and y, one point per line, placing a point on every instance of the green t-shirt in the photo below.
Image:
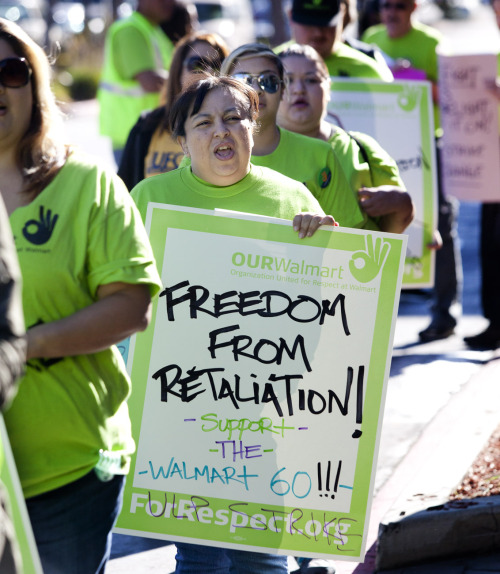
82	231
380	169
349	62
262	191
312	162
418	47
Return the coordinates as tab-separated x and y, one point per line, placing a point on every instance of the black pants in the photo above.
490	262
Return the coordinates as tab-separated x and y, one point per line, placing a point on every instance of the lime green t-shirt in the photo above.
312	162
82	231
380	169
351	63
417	47
262	191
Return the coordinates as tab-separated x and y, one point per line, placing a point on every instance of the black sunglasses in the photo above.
14	72
400	6
197	64
268	82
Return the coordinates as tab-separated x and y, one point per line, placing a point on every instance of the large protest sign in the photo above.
259	386
17	507
399	115
469	116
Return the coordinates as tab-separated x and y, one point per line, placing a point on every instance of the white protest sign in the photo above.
258	389
469	117
399	115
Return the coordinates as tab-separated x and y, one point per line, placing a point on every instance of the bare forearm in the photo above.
93	329
393	206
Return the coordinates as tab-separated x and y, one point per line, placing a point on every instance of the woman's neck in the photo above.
12	184
266	140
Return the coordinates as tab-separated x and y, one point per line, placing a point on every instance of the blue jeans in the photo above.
72	524
194	558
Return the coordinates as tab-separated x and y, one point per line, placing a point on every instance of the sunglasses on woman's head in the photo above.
268	82
197	64
14	72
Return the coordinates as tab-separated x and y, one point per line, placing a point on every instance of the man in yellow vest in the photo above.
137	55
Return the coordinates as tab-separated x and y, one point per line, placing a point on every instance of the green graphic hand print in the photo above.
365	265
408	98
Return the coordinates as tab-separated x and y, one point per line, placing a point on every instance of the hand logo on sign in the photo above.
408	98
365	265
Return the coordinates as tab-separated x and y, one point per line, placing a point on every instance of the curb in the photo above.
422	524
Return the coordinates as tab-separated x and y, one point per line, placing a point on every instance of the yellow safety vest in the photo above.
122	100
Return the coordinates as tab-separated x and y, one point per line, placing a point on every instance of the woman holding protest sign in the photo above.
371	172
88	276
214	119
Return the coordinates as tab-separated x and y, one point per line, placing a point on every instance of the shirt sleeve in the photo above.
132	52
119	249
383	168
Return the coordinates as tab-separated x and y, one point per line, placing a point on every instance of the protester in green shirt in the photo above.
137	55
88	276
371	172
412	46
214	120
304	159
320	24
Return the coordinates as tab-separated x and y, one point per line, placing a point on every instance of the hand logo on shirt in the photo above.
366	265
39	232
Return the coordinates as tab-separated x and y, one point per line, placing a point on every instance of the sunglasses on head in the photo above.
14	72
268	82
197	64
400	6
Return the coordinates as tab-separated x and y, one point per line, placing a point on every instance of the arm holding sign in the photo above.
372	174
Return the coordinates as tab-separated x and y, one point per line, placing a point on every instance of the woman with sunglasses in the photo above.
150	148
88	276
214	121
372	173
304	159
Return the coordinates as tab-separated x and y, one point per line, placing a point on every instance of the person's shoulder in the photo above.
160	182
423	30
339	135
281	47
353	63
302	142
373	32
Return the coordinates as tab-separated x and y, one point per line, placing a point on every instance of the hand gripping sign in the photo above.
258	388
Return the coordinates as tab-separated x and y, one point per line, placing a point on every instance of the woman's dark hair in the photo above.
182	49
191	99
